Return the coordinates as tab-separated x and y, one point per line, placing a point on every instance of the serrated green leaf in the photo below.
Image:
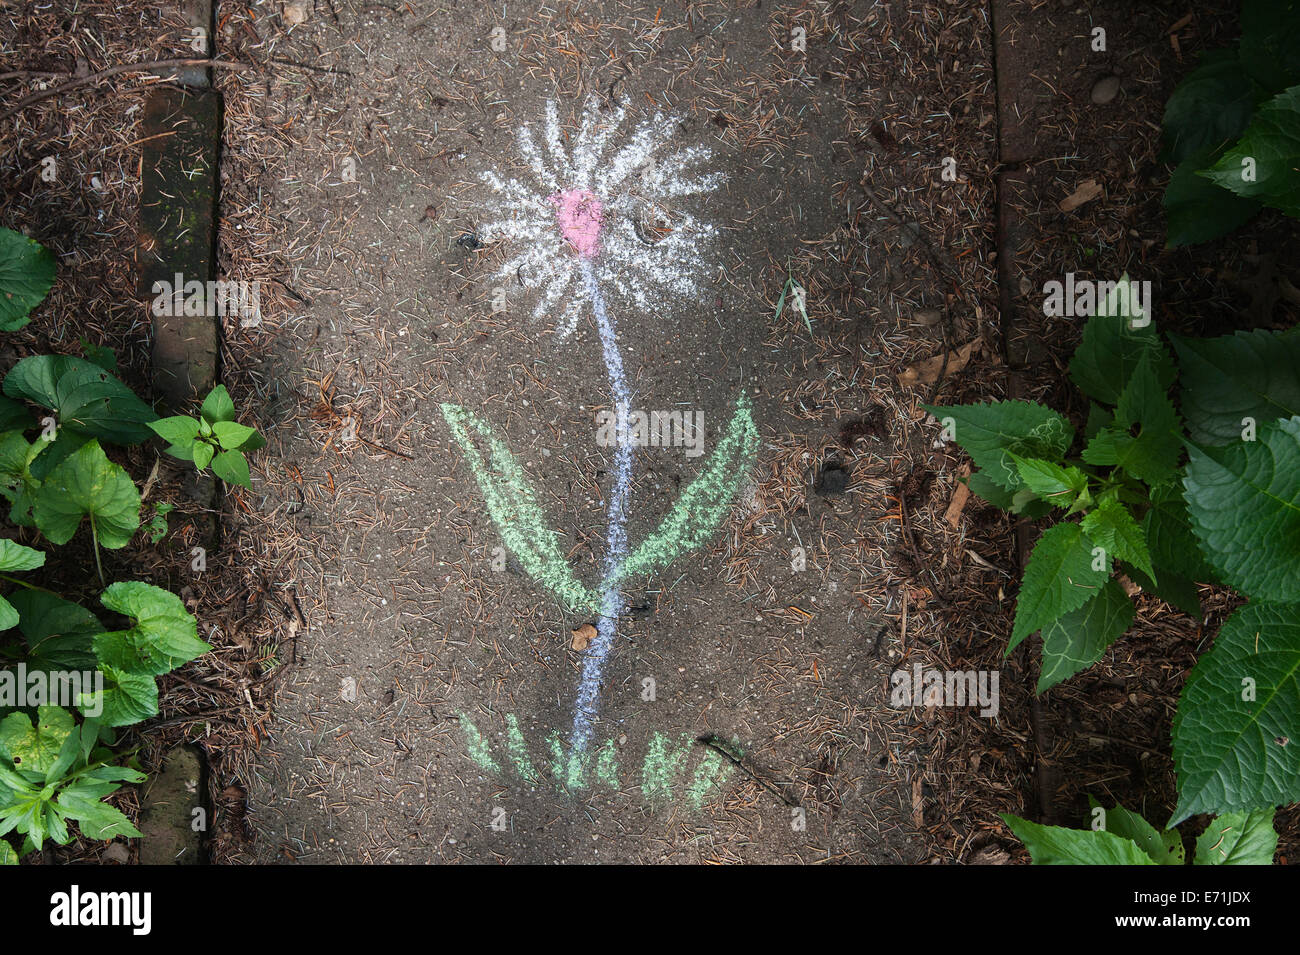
991	433
127	698
1265	164
87	484
1210	108
1163	846
702	506
1244	505
1170	540
1080	638
1238	719
95	819
1152	454
1111	349
1252	374
1059	577
34	748
164	637
1270	42
1238	838
87	399
1110	525
178	429
232	467
982	486
1051	482
1174	589
1055	845
218	406
26	276
1197	210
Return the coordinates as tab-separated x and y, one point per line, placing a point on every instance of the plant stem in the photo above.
23	583
94	539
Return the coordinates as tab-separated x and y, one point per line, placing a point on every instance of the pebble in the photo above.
295	11
1105	90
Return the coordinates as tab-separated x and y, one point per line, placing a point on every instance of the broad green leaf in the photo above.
203	453
1152	454
178	429
14	556
164	637
1110	525
1054	845
1197	210
14	415
1238	838
1080	638
1270	42
514	507
7	854
981	485
127	698
99	355
231	434
35	748
17	484
50	454
702	506
1208	110
26	276
991	433
1114	342
1238	720
59	633
232	467
87	399
1060	576
1265	163
1244	504
1165	847
89	485
1252	374
1170	540
218	406
1051	482
95	819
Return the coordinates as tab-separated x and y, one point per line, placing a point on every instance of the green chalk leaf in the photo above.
515	508
702	506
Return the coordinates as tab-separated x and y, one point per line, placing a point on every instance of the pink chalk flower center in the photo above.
580	216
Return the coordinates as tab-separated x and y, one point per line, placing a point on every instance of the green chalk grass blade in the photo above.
514	507
704	504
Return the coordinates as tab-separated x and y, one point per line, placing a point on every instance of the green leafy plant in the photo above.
1232	129
214	437
1134	503
52	773
57	771
1123	837
26	277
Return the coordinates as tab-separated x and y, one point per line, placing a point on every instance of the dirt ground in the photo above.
769	737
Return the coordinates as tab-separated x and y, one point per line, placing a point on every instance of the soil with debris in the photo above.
396	717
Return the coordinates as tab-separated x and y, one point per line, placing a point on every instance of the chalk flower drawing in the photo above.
611	206
595	219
